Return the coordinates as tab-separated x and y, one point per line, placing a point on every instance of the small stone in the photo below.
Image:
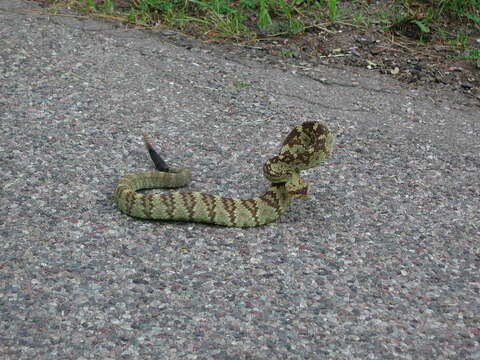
395	70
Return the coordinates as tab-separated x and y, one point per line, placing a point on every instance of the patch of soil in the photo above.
434	64
412	62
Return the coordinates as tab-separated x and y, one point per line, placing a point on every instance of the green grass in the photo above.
451	21
332	10
473	54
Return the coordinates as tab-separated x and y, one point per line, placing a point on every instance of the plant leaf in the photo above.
423	28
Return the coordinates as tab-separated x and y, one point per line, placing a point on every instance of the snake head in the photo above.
308	144
305	147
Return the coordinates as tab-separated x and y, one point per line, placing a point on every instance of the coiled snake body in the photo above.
305	146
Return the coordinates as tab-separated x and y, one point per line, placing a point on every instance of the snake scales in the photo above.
305	146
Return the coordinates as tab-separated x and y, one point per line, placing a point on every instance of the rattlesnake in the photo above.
305	146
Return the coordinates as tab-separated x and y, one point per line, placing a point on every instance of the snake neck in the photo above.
277	198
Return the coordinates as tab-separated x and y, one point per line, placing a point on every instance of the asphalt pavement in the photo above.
381	261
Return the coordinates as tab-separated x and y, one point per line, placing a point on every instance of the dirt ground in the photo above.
414	63
434	64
